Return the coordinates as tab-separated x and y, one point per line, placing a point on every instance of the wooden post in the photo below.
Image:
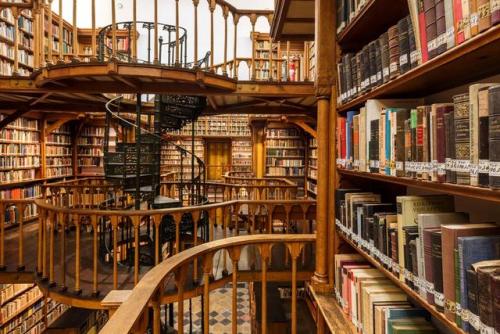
265	254
155	41
113	28
50	42
2	239
253	20
136	249
236	18
270	59
177	34
36	39
63	251
207	272
114	226
134	30
94	37
212	9
20	266
77	256
61	29
195	4
15	14
287	60
75	32
95	255
235	253
280	60
325	79
52	224
156	315
225	13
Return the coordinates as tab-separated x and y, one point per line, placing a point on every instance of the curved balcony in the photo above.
82	224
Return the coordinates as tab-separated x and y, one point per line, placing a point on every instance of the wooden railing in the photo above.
132	315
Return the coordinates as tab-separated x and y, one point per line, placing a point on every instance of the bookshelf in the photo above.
312	167
59	153
241	150
285	153
264	69
438	79
90	153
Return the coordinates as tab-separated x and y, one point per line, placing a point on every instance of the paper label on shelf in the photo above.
494	168
433	167
414	56
465	315
474	19
474	169
432	44
441	168
373	79
438	298
379	75
484	166
458	309
448	163
385	71
450	305
377	164
474	321
450	33
487	329
429	287
393	67
462	166
399	165
356	163
403	59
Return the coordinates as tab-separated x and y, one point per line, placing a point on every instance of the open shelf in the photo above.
474	59
448	188
412	294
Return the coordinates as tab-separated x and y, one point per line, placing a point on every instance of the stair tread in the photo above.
143	189
128	176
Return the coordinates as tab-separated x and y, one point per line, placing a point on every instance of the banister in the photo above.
126	316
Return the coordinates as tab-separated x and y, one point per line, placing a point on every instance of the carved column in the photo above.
325	52
236	19
253	20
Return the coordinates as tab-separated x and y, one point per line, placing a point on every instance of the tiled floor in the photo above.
220	311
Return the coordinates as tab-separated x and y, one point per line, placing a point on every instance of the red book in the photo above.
343	133
422	31
457	19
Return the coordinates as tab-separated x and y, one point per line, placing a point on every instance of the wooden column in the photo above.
325	53
36	39
236	18
75	32
287	60
253	20
113	28
177	41
225	14
155	41
212	4
15	14
207	272
94	37
61	29
134	30
50	39
195	4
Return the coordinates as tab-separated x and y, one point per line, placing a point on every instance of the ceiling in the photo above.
293	20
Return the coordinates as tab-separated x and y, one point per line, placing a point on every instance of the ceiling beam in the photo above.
12	117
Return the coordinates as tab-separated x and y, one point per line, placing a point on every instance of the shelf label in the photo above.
462	166
474	169
414	56
474	321
441	169
393	67
403	59
400	165
484	166
494	168
438	298
385	71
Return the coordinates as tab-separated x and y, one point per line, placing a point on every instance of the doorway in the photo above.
218	153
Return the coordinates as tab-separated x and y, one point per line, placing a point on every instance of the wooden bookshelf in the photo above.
415	296
472	60
59	153
90	154
312	167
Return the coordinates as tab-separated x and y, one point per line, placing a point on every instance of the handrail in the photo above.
230	178
127	315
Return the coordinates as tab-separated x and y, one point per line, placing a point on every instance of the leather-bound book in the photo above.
378	63
423	113
393	51
483	9
413	43
404	46
402	115
429	271
372	48
369	210
432	144
354	75
393	236
383	42
355	141
494	136
450	235
462	138
495	11
441	111
473	17
410	233
441	44
359	70
340	196
365	69
431	27
347	62
472	296
483	145
495	292
485	297
413	129
450	24
461	18
374	153
408	148
449	120
422	31
437	267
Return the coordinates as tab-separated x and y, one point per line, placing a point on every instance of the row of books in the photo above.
90	161
312	187
373	303
21	193
437	252
17	175
90	151
59	151
7	68
285	171
52	171
454	143
90	141
222	125
13	214
7	31
25	24
392	54
312	173
19	135
19	149
277	133
296	162
92	131
51	162
276	152
287	143
8	291
13	307
56	138
21	123
14	162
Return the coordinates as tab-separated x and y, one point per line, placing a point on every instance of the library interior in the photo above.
160	165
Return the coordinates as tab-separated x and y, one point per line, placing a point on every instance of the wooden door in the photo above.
218	159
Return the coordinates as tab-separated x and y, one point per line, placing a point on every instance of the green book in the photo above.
458	319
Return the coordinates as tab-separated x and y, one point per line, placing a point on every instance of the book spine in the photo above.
404	45
462	138
472	295
407	149
422	31
413	129
495	12
484	12
382	135
457	18
494	136
473	17
459	263
483	140
450	147
450	26
437	269
485	300
440	27
495	287
431	27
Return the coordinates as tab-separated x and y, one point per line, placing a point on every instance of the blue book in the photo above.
349	152
394	314
388	140
471	250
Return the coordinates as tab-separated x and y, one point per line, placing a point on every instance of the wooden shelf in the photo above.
373	19
448	188
22	309
17	294
474	59
413	295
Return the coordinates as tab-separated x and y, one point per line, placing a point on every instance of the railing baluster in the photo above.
180	278
156	315
75	31
62	251
253	20
61	29
225	15
52	227
20	265
50	36
136	222
271	59
177	41
113	29
195	3
134	30
287	60
2	239
212	9
235	253
265	254
45	268
114	226
77	255
295	250
155	42
280	60
207	272
157	222
95	254
94	37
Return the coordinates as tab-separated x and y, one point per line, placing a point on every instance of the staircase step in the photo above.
128	176
162	202
143	189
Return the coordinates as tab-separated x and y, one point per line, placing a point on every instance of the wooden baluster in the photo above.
271	59
234	254
180	280
225	14
50	36
2	239
157	222
196	217
94	37
155	42
45	268
207	272
177	219
136	221
36	33
195	4
20	264
113	28
95	254
75	32
287	60
52	226
224	235
212	9
61	28
114	227
295	250
62	250
265	255
156	313
15	14
212	214
134	30
280	61
253	20
236	18
77	255
306	61
177	33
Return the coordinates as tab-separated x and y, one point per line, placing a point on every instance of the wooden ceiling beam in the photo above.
12	117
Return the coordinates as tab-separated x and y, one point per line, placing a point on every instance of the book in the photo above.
431	27
449	128
440	140
373	294
422	31
408	207
437	269
494	136
450	235
462	138
343	258
484	12
485	297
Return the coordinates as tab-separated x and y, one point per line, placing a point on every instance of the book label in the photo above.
462	166
474	321
494	168
379	76
432	44
484	166
414	56
399	165
474	19
441	168
373	79
393	67
403	60
474	169
438	298
386	71
450	33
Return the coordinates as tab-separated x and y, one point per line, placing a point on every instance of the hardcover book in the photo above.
494	136
462	138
